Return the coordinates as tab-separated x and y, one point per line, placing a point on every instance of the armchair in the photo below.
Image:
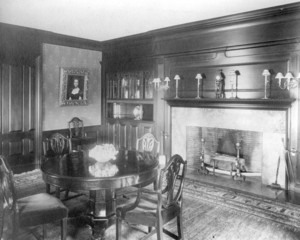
28	212
155	208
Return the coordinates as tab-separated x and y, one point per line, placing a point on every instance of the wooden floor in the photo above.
250	185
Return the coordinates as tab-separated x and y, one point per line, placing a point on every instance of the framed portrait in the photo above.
73	86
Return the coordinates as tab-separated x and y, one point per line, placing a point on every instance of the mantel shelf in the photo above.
271	104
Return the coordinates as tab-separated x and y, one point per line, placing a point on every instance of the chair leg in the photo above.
159	231
118	228
64	223
180	226
57	192
44	232
47	188
67	194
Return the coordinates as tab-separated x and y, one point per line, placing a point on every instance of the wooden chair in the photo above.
78	136
155	208
76	128
56	145
20	216
148	143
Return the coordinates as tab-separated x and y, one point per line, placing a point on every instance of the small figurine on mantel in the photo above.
220	85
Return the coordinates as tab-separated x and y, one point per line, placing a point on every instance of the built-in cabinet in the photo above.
129	107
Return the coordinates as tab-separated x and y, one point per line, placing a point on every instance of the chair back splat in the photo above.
76	128
57	144
148	143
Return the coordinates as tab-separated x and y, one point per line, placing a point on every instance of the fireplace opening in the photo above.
223	142
260	133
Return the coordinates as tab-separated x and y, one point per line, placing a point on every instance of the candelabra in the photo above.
238	175
158	85
202	168
291	81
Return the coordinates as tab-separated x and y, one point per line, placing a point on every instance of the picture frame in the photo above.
73	86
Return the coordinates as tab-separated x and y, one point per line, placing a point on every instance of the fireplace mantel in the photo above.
270	104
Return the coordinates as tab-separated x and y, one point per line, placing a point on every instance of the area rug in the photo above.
210	212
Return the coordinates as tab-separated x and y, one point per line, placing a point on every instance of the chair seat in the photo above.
145	212
39	209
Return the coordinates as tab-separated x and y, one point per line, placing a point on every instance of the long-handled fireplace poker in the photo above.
202	168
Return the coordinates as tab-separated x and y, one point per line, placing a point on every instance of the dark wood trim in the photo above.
261	15
271	104
89	130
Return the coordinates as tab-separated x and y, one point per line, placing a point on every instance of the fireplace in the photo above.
261	132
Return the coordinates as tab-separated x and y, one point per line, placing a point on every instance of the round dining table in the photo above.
76	172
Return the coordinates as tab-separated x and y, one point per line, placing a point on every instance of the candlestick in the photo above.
176	78
198	77
266	73
237	73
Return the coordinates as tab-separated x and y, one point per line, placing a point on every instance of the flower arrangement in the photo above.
106	169
103	153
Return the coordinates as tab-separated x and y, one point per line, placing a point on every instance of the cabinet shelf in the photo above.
133	101
129	120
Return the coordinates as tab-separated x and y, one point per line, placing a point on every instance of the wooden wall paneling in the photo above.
230	34
16	99
250	81
123	135
1	94
294	141
111	126
5	98
134	135
147	128
36	110
17	139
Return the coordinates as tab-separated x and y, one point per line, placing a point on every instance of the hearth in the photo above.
261	134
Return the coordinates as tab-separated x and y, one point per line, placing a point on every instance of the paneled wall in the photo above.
17	122
248	42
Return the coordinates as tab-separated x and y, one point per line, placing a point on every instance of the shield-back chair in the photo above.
155	208
56	145
20	216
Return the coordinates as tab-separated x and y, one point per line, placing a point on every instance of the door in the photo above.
17	122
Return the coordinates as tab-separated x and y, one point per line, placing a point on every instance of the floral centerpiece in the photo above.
103	154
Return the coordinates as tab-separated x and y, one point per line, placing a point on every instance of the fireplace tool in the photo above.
238	175
275	185
202	168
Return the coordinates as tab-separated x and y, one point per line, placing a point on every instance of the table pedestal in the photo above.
102	210
102	204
